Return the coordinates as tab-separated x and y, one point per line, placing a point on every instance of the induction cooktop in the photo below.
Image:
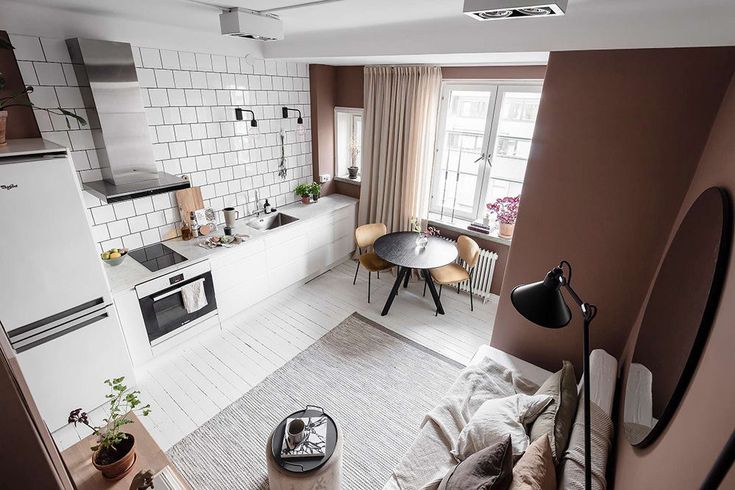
156	257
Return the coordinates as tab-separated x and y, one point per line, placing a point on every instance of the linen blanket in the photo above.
429	458
571	470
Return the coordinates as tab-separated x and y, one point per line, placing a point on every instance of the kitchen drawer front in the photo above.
342	247
283	275
343	227
346	212
230	275
284	234
246	294
237	253
287	249
320	234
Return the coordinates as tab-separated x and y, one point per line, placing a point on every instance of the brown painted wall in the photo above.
618	137
322	87
494	72
350	86
21	121
683	454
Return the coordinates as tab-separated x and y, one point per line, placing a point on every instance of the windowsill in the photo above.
348	180
460	226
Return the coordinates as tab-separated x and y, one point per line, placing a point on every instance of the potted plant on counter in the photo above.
20	98
114	453
303	191
506	211
316	191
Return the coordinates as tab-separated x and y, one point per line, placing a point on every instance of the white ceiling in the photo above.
436	31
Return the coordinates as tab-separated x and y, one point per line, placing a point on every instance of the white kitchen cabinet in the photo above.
283	257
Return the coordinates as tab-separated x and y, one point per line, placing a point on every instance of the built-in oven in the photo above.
163	305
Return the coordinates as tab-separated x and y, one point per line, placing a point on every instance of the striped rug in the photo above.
374	382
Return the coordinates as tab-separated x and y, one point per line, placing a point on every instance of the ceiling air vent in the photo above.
251	25
513	9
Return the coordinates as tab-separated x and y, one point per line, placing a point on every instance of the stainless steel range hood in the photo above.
125	149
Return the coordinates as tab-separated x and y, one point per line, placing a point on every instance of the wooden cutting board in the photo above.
189	200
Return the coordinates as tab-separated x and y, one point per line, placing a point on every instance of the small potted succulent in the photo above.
506	211
114	453
20	98
422	236
316	191
303	191
353	169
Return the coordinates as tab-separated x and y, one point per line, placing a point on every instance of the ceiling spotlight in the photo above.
513	9
238	116
286	110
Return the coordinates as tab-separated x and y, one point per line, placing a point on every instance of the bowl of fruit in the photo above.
114	256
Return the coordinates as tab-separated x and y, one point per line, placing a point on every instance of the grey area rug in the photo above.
376	384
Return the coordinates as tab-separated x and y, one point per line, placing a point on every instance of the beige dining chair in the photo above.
469	254
365	237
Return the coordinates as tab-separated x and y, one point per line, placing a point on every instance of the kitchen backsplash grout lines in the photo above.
189	100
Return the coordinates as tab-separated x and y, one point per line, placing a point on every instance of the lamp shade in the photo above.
542	302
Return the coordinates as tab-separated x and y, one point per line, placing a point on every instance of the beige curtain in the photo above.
399	126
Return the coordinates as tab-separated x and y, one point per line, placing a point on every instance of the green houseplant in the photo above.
114	453
315	190
20	98
303	191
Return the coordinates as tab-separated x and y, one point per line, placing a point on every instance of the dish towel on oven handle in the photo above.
194	296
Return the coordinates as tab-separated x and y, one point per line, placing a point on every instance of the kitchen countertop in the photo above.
130	273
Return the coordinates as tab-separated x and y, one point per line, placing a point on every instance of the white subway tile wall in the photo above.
189	100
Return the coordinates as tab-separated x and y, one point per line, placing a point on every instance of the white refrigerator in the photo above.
55	303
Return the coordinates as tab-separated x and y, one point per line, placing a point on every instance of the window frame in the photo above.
353	111
497	88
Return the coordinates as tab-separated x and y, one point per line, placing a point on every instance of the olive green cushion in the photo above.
557	419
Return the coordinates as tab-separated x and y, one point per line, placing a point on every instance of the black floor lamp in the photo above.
543	304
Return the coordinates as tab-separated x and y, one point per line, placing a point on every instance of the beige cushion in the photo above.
535	470
557	419
449	274
497	418
373	263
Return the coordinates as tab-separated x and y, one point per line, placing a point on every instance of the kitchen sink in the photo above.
271	221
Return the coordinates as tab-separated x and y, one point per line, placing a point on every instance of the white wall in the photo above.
189	99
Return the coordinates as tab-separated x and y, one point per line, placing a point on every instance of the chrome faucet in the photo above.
257	206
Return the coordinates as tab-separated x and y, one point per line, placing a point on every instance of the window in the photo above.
483	144
347	140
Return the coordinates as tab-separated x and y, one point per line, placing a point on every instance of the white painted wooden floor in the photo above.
190	384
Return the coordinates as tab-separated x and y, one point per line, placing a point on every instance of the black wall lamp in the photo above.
543	304
285	110
238	116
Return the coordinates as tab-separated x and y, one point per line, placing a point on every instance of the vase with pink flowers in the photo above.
506	212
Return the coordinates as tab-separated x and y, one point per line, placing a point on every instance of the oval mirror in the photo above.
678	317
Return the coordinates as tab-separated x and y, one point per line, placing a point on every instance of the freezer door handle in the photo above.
36	338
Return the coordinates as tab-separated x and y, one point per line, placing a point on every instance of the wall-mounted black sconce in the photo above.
238	116
300	120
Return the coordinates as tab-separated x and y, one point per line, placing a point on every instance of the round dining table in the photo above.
400	248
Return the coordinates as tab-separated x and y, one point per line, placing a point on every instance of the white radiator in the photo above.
482	276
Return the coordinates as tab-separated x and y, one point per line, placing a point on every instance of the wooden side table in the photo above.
78	460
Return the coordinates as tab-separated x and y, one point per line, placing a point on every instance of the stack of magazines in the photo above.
479	227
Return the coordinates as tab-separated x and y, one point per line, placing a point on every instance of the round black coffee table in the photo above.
400	248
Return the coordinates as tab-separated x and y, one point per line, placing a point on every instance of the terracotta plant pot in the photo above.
3	126
305	199
506	230
120	467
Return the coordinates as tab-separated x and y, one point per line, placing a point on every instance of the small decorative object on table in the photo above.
422	238
316	190
114	453
479	227
506	210
305	437
303	191
225	241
